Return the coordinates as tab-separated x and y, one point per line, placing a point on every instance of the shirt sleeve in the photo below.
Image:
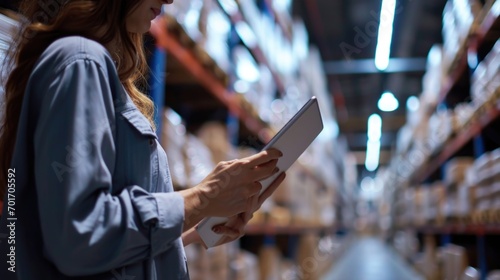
86	229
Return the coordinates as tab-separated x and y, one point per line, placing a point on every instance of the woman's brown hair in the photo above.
48	20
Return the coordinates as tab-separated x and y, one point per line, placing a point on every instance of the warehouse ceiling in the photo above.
345	31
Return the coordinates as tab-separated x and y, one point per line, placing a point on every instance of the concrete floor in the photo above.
370	259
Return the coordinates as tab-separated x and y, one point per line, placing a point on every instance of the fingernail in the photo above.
216	229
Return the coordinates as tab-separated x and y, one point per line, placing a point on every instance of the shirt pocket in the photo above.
139	122
139	150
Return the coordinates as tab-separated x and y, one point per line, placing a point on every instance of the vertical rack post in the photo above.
482	256
480	238
445	239
158	65
478	146
232	122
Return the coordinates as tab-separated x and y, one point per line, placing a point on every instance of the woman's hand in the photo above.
235	227
232	229
258	200
230	188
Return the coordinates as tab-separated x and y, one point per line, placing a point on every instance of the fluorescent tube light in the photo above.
373	143
383	51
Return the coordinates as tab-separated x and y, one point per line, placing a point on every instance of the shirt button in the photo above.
151	142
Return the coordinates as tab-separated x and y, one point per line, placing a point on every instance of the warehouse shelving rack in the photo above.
480	238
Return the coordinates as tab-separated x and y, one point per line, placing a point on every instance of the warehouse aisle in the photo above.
370	259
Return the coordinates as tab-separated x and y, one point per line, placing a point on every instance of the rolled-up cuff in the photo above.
170	223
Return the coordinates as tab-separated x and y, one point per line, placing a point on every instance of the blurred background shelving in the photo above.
444	174
422	176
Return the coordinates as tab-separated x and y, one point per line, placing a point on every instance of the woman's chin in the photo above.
144	28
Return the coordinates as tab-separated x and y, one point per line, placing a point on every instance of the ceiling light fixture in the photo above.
383	51
372	155
413	103
373	144
388	102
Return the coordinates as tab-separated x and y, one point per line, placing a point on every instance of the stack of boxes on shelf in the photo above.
485	84
268	61
435	263
460	18
468	195
271	38
454	180
485	189
453	260
432	201
429	263
201	26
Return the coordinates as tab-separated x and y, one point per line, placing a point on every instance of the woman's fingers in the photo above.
255	202
231	183
252	206
233	229
264	171
263	157
254	189
270	190
225	230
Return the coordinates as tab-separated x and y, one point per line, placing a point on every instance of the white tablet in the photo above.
292	140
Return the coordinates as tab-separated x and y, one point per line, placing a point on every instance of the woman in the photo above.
88	184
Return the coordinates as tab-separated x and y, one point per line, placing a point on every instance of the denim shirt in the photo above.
92	197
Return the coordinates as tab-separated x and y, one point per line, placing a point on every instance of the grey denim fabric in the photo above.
93	196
